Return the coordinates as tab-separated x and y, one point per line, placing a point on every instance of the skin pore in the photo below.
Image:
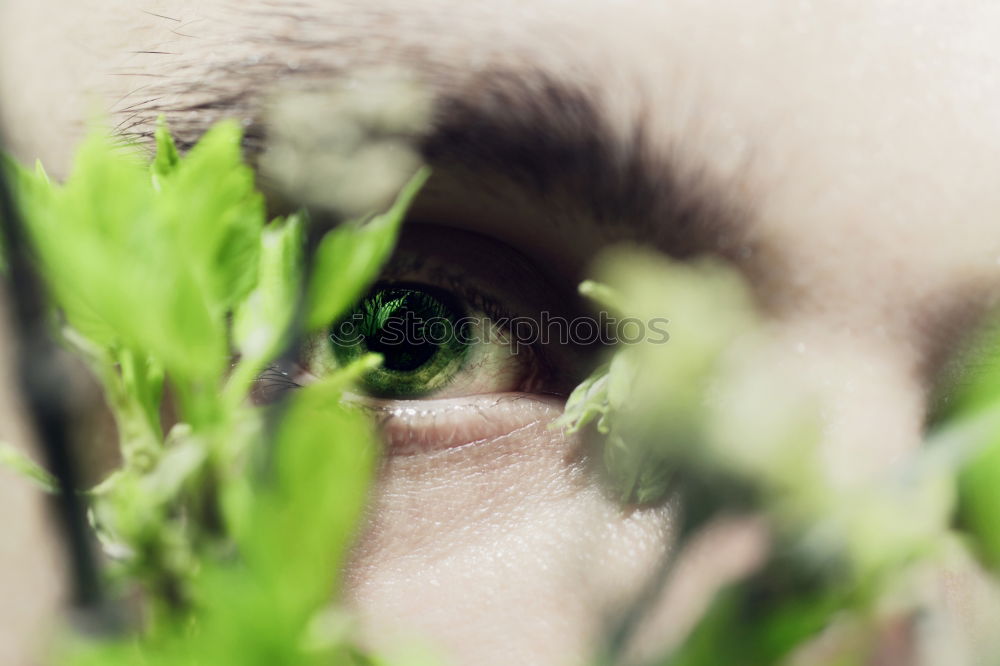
843	155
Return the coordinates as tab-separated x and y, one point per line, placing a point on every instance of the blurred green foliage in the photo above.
714	422
234	530
234	521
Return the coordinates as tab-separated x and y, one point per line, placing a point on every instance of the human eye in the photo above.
433	343
457	319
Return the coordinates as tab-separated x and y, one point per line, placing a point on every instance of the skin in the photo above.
845	155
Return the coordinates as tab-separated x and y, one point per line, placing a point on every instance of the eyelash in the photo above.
452	282
272	384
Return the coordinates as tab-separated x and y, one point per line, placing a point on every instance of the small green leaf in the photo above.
215	215
349	257
263	319
979	502
27	468
589	400
167	157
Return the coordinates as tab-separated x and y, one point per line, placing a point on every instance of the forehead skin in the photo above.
858	138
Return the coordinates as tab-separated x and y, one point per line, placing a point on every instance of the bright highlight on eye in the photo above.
422	337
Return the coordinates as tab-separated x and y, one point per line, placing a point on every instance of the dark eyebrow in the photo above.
546	136
549	138
554	142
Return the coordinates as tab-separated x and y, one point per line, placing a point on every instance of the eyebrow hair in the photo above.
553	140
546	136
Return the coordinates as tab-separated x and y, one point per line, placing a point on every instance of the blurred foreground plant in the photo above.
234	522
715	421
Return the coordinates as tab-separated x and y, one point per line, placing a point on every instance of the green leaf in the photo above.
216	214
298	525
263	319
970	411
349	257
979	502
157	268
588	401
167	157
183	241
27	468
302	524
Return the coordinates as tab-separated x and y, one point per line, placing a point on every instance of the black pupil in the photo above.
402	338
403	356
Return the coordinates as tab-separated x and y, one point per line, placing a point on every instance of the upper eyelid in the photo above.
476	298
552	361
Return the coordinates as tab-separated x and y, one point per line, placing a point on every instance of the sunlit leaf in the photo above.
349	257
27	468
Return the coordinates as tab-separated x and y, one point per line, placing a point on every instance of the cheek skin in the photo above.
501	551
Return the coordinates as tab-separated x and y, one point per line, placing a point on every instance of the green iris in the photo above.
422	339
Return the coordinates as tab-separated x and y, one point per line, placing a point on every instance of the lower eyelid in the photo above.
411	427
